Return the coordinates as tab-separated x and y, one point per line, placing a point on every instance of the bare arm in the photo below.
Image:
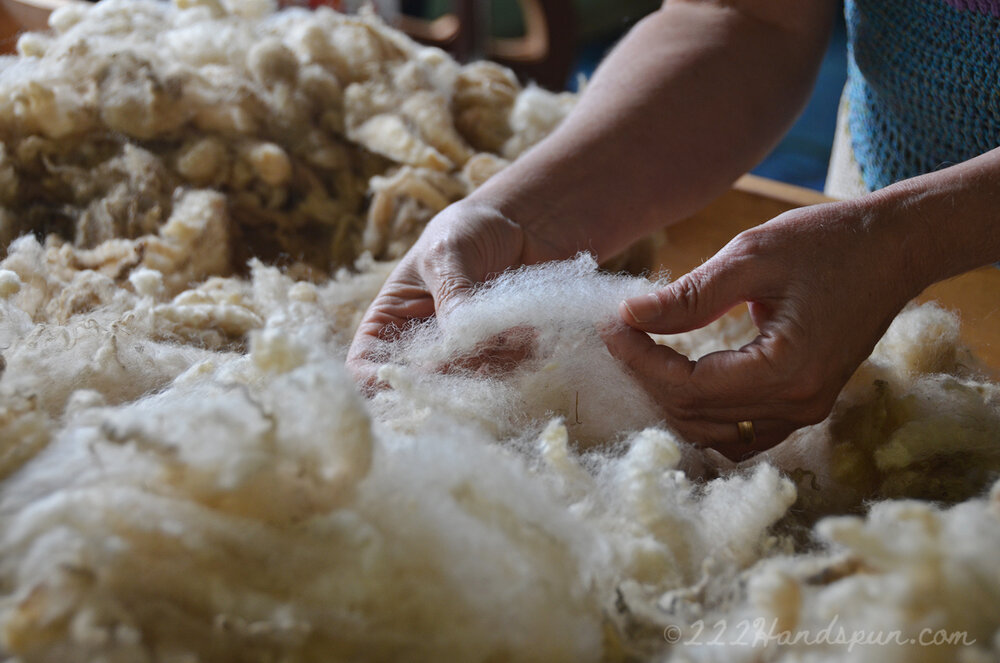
693	97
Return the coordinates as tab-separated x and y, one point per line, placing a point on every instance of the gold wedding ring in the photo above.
747	434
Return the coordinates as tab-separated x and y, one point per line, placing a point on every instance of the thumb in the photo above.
690	302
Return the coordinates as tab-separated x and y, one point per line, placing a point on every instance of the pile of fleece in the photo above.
188	474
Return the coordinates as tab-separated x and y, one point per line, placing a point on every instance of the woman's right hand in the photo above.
467	243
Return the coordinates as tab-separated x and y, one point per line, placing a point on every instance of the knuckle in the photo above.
438	249
797	381
805	395
749	244
746	243
625	352
686	291
451	291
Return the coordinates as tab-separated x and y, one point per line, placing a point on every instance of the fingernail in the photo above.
643	309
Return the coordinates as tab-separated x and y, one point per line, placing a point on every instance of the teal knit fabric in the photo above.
923	85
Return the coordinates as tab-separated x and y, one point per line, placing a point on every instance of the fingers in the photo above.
463	245
402	299
728	440
691	302
466	250
641	354
705	400
700	406
715	388
434	279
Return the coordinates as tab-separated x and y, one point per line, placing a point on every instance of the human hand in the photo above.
822	288
464	245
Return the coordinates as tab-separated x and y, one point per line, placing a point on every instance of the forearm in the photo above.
692	98
937	225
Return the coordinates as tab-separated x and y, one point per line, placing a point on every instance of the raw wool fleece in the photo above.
244	507
186	472
328	135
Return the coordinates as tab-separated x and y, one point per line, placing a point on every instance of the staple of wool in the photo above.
187	472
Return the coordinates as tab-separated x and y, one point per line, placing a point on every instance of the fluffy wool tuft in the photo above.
523	348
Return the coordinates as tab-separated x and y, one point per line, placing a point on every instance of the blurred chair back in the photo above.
544	54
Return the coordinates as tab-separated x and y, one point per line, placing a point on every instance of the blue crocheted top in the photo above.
923	86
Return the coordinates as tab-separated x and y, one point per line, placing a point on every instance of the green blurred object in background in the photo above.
601	19
595	19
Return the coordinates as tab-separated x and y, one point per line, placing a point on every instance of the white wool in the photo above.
187	472
535	114
411	528
283	113
551	312
10	283
147	282
908	573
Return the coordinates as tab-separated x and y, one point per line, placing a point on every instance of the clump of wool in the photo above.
252	506
524	347
908	582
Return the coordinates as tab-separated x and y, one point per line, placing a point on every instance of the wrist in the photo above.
895	240
542	240
913	233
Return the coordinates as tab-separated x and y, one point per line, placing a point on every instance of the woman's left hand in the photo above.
822	284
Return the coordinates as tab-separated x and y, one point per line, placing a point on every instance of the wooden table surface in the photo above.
753	200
